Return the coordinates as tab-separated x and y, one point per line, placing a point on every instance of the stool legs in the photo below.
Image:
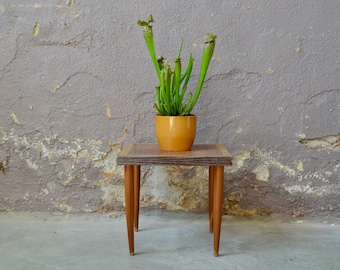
136	180
211	193
218	176
129	204
132	194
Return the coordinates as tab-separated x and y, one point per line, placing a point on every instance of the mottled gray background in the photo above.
77	85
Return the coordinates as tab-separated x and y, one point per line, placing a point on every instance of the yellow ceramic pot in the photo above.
175	133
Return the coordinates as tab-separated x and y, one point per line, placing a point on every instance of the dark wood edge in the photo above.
124	159
225	161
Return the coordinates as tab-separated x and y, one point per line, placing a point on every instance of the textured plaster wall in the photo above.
77	84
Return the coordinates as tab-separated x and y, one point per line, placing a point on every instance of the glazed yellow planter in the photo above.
175	133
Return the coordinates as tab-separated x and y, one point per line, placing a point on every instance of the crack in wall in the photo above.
14	55
59	86
309	100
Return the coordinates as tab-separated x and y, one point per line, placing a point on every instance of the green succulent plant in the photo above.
170	93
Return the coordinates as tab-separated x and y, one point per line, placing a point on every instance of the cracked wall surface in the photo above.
77	84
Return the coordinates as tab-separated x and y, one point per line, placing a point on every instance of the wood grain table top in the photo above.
151	154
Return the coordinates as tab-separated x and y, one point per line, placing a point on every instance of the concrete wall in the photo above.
77	84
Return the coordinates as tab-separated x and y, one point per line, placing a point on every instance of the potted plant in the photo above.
172	104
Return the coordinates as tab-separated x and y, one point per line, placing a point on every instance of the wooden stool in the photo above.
215	156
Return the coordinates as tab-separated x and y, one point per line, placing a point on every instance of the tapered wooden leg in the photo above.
211	189
136	179
129	204
217	205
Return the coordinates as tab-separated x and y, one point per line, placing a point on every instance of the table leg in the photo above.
136	179
217	205
211	193
129	204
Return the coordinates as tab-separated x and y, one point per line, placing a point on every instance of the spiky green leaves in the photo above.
208	51
173	83
148	37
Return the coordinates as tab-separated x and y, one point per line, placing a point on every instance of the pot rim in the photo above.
189	115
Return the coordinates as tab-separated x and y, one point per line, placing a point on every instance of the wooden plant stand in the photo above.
215	156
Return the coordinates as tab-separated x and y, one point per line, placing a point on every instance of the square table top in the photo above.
151	154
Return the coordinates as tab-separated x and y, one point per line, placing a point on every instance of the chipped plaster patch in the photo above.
108	111
72	157
238	162
67	153
321	144
309	189
262	173
175	188
157	190
168	188
70	3
315	176
267	158
31	165
301	135
36	29
299	165
15	118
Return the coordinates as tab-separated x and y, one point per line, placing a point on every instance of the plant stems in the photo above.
206	58
148	36
172	83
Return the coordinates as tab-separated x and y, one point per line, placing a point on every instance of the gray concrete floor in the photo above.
165	241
